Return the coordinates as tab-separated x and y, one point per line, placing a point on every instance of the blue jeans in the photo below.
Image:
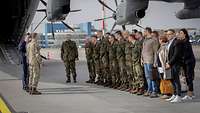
152	87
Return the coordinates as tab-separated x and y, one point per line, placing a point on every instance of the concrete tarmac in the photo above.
59	97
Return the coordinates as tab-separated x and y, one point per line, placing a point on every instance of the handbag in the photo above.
166	87
154	73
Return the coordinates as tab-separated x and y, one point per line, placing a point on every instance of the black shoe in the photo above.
75	81
89	81
68	81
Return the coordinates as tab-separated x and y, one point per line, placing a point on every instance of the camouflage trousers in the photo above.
34	71
70	68
129	74
91	69
122	70
138	79
114	72
105	70
98	70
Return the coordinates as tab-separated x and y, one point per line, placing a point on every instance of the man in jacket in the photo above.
175	61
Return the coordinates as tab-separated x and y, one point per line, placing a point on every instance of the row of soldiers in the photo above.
114	61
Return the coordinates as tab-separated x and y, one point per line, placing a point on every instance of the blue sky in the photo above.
159	15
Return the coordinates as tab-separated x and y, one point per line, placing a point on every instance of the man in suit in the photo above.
174	62
23	60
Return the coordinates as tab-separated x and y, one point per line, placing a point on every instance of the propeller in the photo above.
40	22
124	27
41	10
43	2
116	3
68	26
139	26
101	2
103	18
75	10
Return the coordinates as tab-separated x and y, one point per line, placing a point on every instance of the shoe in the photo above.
153	95
186	98
134	91
171	98
146	94
35	92
68	81
176	99
140	92
89	81
164	97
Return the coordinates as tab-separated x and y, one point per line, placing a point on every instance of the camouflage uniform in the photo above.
69	53
34	60
121	60
104	60
96	59
113	64
128	58
138	80
90	61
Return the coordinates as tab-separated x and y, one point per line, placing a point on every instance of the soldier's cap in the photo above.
118	32
94	36
112	36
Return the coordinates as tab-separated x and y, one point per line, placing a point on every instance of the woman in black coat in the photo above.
188	64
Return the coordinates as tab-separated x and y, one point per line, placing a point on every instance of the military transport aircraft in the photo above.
129	12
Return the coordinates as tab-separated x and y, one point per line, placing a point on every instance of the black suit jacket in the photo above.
175	55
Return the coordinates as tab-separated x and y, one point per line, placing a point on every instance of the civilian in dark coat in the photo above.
189	63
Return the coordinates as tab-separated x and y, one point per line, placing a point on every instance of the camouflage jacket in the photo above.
89	50
96	51
136	51
128	51
112	50
121	49
69	51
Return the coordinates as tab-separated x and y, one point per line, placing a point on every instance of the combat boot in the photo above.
140	92
134	91
74	78
35	92
68	80
89	81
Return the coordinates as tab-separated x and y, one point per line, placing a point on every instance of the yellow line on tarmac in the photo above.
3	107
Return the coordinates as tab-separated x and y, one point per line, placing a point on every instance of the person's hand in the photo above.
167	66
154	65
77	59
142	62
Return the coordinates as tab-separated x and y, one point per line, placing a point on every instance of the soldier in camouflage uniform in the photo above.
69	53
34	61
113	64
104	63
129	68
121	58
138	79
90	61
96	60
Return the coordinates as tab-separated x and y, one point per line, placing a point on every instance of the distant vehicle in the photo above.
192	41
